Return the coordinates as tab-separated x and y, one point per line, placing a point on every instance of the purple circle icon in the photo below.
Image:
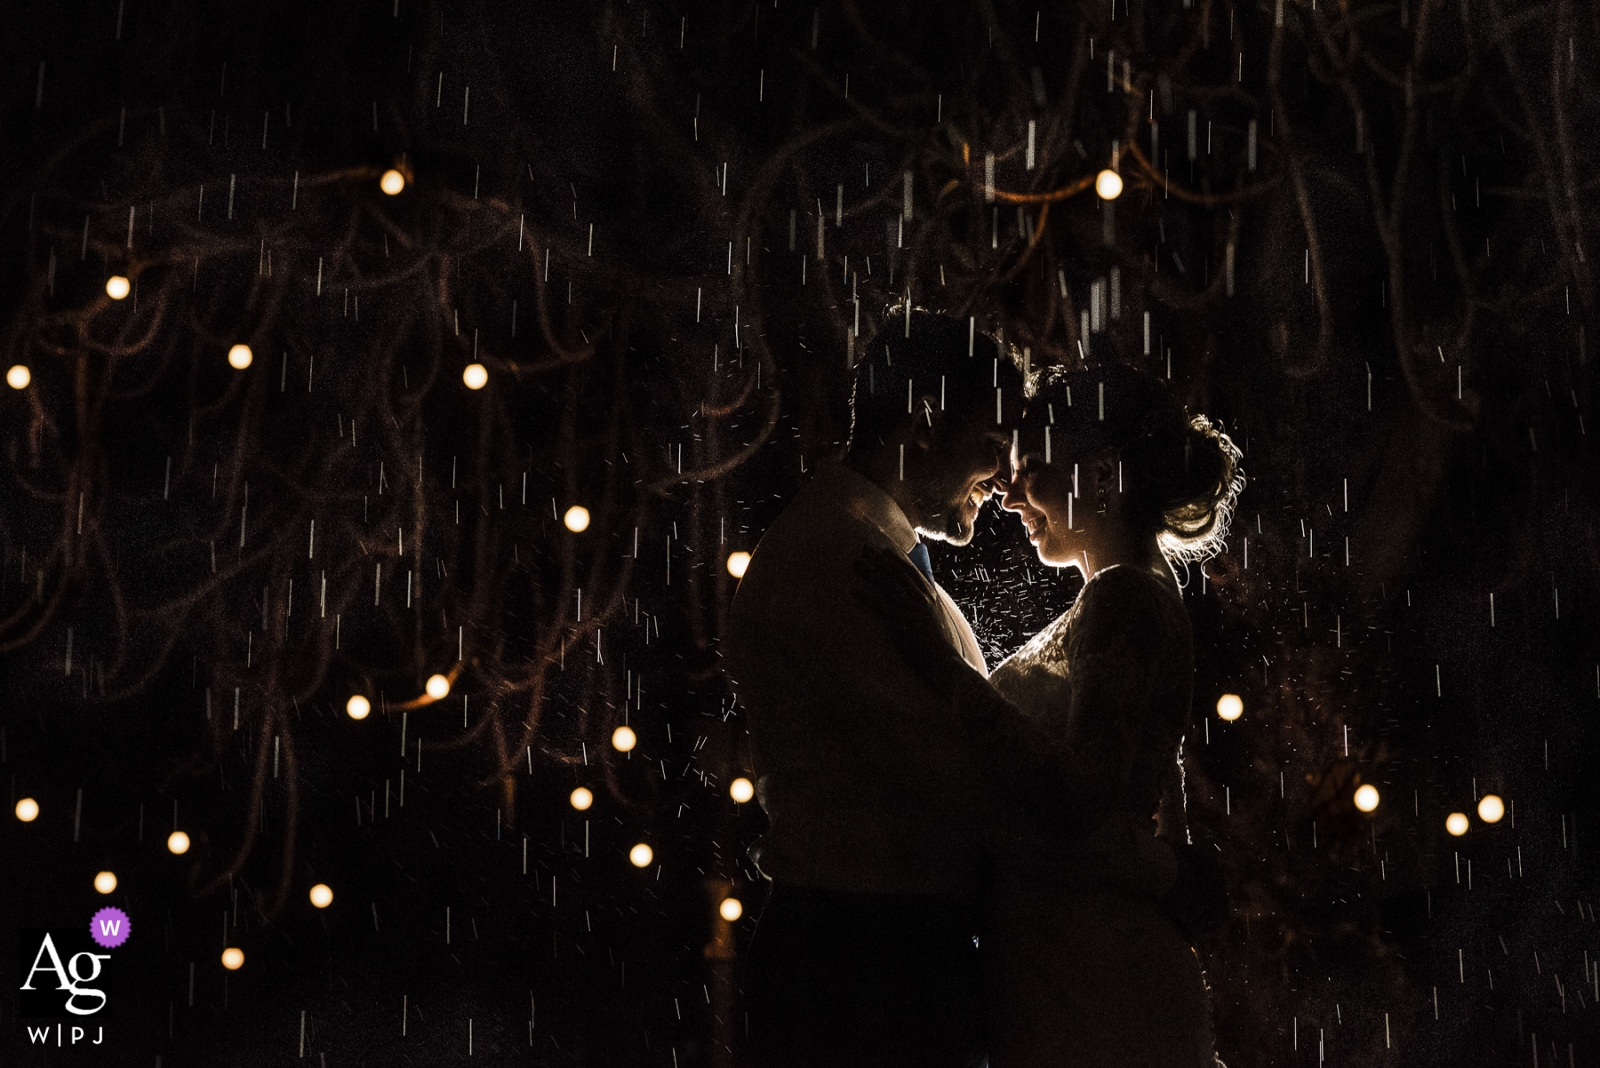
109	927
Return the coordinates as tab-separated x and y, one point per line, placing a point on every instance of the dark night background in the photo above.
654	224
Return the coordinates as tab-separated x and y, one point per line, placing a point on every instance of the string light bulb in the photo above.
105	882
741	790
322	895
27	810
392	182
581	798
239	357
178	843
1366	797
576	519
118	287
1230	706
1491	809
438	687
1108	184
641	855
1456	823
358	707
731	909
623	739
233	958
476	376
737	563
18	376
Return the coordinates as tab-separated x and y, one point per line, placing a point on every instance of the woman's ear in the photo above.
1104	476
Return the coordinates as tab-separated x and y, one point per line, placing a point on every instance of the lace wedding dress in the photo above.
1084	968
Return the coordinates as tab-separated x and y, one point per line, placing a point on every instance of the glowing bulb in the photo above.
737	562
322	895
476	376
117	287
18	377
623	739
233	958
1108	185
1366	797
392	182
239	357
178	842
438	687
1230	706
641	855
730	909
1456	823
1491	808
27	810
105	882
358	707
581	798
577	519
741	790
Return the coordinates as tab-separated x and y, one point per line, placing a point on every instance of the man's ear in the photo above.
927	421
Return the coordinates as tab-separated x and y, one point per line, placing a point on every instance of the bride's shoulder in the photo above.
1122	603
1123	585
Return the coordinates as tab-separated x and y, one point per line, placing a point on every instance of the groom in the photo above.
864	953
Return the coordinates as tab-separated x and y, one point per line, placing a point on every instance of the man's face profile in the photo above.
963	467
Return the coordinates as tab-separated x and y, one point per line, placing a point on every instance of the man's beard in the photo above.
944	517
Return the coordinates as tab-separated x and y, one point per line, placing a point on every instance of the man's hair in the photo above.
949	359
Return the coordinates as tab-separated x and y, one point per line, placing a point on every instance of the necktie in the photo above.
919	556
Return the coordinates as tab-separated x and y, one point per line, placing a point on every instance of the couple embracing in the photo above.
968	864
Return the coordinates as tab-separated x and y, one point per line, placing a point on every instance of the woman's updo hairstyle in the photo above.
1183	475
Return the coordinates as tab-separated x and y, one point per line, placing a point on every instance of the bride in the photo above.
1086	962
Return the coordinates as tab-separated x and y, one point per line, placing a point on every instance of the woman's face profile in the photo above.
1041	495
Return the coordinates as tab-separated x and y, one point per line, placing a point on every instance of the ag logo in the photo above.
63	974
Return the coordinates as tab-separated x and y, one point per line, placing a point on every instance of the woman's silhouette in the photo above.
1088	960
1085	965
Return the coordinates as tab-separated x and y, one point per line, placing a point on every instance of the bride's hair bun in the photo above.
1182	471
1197	501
